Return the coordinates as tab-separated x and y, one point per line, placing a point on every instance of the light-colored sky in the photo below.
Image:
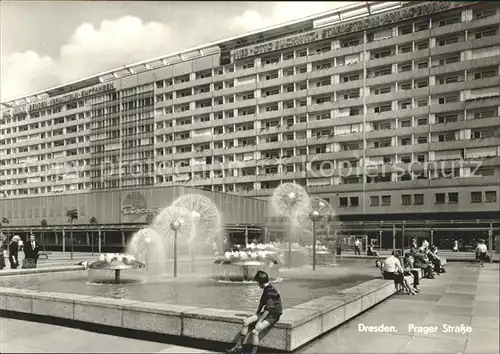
47	43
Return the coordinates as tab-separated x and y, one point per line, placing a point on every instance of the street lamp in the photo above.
314	216
175	226
147	240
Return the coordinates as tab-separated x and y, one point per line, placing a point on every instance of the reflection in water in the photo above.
297	287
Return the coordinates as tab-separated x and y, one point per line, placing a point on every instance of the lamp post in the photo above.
314	215
196	217
147	240
292	196
175	226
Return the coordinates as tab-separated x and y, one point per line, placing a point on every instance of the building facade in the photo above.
388	112
116	215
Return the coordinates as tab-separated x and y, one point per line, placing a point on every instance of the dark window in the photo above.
374	200
453	198
418	199
343	202
491	196
440	198
476	197
386	200
406	199
354	201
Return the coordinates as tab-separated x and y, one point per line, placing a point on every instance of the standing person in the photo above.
357	247
482	251
3	247
31	250
268	313
413	247
14	252
455	246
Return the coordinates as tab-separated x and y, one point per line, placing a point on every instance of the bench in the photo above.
43	253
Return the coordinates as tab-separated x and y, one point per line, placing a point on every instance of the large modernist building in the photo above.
389	110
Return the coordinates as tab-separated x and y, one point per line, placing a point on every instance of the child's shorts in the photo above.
272	318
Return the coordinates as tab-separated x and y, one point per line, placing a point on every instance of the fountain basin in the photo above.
297	326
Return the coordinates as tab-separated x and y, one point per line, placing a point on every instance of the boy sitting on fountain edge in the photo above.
268	313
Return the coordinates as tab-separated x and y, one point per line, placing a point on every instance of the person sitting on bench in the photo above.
393	270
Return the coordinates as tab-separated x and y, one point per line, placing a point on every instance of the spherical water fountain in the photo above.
148	247
319	211
173	223
205	220
291	201
242	264
114	262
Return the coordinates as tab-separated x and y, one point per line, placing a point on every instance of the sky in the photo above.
48	43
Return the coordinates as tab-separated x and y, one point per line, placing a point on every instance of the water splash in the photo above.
149	247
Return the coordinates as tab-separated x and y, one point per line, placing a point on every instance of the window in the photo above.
491	197
423	64
422	121
422	140
447	41
418	199
484	114
354	201
423	83
422	46
440	198
453	198
386	200
476	197
406	123
382	90
343	202
374	199
406	199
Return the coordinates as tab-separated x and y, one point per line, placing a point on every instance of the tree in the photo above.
72	215
93	222
44	224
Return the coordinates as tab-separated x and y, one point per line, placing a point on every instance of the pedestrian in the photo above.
481	251
14	252
357	247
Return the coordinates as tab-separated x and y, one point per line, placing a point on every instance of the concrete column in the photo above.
87	238
393	236
246	235
99	240
490	242
63	241
123	238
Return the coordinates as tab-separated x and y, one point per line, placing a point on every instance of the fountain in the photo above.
205	220
171	223
115	262
148	247
291	201
319	210
248	261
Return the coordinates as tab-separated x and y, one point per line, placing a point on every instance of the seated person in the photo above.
434	259
393	270
408	267
370	251
421	261
268	313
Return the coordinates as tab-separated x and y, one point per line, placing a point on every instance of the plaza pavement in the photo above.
32	337
466	295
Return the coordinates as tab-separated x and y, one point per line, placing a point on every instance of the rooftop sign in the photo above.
63	99
347	28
